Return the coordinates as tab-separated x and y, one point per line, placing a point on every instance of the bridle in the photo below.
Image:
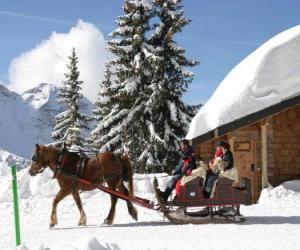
39	157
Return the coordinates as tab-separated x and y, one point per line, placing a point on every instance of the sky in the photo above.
37	36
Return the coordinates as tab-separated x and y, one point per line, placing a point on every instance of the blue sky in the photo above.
222	33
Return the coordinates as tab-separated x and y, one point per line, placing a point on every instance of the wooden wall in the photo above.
286	146
283	148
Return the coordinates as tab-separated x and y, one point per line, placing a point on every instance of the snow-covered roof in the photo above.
268	76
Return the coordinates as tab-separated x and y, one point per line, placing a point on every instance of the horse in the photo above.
106	166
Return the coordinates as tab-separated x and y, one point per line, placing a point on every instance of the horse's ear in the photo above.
37	146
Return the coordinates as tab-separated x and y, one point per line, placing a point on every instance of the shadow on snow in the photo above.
251	220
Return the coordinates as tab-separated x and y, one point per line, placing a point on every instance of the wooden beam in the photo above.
264	156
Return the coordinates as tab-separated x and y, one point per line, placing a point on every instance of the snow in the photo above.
30	116
273	223
7	158
266	77
37	97
173	111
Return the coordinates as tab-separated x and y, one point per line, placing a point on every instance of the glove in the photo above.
185	169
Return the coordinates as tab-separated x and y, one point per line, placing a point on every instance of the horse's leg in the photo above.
110	217
131	209
59	196
82	220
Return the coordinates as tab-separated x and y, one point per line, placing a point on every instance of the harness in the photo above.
71	164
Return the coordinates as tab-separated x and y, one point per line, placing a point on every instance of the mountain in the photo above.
29	118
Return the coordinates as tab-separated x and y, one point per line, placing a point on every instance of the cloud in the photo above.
47	61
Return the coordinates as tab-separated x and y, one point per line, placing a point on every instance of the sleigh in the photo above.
191	206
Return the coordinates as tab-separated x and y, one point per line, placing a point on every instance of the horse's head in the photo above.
39	162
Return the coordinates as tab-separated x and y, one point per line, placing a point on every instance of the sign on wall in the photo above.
242	146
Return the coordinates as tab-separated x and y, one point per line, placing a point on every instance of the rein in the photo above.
40	157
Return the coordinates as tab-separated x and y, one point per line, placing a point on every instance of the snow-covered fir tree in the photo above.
141	103
103	107
123	102
69	124
170	116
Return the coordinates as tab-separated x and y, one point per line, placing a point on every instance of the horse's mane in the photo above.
49	150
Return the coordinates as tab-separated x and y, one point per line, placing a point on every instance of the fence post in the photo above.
16	204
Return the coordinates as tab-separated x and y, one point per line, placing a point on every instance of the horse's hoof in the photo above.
107	222
82	223
134	215
51	225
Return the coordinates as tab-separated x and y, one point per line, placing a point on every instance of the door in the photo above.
244	158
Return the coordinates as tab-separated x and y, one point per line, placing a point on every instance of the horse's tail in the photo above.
129	171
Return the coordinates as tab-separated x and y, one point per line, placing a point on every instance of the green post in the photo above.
16	204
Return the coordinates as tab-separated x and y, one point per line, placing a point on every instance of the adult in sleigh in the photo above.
185	167
188	170
222	166
212	186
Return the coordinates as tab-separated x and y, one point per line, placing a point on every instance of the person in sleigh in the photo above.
186	164
222	165
222	162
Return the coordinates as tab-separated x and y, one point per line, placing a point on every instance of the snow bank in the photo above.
9	159
44	185
82	244
276	213
266	77
280	194
89	244
143	183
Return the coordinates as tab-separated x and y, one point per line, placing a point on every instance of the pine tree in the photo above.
141	100
69	124
102	103
125	99
170	116
103	107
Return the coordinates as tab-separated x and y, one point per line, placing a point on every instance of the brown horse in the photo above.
105	166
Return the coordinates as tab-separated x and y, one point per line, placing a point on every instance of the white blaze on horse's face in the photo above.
38	164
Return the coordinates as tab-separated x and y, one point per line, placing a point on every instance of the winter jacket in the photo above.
187	163
228	159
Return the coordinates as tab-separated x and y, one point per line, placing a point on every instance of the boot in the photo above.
165	195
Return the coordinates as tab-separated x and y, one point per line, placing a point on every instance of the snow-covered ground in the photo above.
273	223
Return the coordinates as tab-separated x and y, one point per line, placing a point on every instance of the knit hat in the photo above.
223	144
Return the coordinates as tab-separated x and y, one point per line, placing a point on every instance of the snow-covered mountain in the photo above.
8	159
28	119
